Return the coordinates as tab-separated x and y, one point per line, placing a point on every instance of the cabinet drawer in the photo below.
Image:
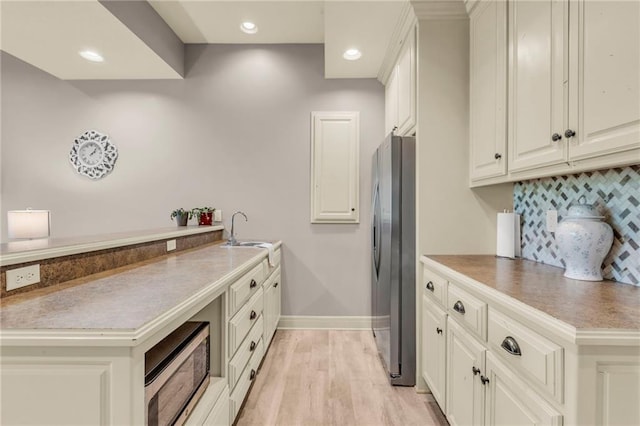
246	349
538	359
434	285
468	310
244	383
242	322
246	285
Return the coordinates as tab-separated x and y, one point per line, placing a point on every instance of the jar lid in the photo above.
582	210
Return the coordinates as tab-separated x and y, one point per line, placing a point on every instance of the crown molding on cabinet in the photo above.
470	5
436	10
406	22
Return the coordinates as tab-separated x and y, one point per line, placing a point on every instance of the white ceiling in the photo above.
340	25
48	34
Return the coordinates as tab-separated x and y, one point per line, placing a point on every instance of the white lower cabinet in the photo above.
509	400
434	339
465	369
481	390
100	380
501	364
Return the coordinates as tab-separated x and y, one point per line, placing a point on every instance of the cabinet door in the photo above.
433	350
391	102
269	303
335	167
510	401
538	33
277	302
407	86
618	393
605	82
488	90
465	392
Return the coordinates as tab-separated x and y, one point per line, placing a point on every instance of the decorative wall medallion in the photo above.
93	155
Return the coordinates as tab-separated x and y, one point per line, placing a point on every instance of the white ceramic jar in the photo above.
584	241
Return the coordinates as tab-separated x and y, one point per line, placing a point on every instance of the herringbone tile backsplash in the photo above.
616	193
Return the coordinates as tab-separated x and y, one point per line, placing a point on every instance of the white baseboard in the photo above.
293	322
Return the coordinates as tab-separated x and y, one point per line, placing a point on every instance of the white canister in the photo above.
584	241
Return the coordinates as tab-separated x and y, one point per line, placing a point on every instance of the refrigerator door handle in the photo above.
375	226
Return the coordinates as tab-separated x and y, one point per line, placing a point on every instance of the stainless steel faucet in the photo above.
232	238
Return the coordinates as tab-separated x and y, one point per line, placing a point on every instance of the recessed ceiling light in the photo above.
249	27
91	56
352	54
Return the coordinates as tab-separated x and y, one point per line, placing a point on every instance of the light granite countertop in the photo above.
129	298
583	305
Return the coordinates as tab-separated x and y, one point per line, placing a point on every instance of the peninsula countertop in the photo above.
583	305
127	300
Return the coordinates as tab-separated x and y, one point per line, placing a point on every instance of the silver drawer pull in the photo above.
510	345
459	307
430	286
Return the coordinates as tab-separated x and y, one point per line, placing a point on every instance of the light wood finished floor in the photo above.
328	377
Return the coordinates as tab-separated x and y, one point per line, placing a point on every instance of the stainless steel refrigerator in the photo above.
393	258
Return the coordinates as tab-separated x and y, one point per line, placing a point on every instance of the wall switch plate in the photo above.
21	277
552	220
217	216
171	245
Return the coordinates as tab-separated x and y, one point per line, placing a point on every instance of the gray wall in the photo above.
234	134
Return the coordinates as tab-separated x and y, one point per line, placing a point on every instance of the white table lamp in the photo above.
28	224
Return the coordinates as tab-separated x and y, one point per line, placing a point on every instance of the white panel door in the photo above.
488	89
538	34
433	351
605	77
465	391
335	167
510	401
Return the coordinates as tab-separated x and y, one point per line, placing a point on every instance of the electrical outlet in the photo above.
171	245
217	216
552	220
21	277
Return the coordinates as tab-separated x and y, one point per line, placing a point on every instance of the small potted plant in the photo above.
181	215
203	214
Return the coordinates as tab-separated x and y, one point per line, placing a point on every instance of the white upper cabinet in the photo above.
573	94
400	90
407	85
604	78
538	35
335	141
488	90
391	102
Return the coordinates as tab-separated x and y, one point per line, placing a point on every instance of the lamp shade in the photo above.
28	223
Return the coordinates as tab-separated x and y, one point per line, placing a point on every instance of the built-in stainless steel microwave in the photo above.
177	374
